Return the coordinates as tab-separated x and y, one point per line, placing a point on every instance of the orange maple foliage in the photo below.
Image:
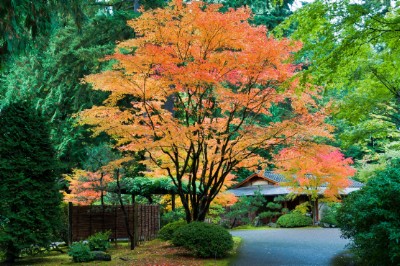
314	169
86	187
200	83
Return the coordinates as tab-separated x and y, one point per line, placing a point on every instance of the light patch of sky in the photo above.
299	3
107	9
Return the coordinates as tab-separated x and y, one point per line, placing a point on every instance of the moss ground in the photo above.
154	252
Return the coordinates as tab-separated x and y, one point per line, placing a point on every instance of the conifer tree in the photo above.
29	196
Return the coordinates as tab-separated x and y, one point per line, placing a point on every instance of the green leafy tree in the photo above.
273	209
266	12
351	48
370	217
29	196
244	209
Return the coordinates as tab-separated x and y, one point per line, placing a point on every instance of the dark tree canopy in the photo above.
29	196
371	218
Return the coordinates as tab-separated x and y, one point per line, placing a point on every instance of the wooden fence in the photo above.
144	221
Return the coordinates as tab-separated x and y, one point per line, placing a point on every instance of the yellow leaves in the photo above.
116	164
225	199
109	119
113	81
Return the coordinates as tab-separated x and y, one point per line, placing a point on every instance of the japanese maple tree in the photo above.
315	169
200	86
86	187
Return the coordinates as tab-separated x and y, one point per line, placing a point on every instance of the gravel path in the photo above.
304	246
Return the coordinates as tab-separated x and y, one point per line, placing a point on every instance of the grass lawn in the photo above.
154	252
251	227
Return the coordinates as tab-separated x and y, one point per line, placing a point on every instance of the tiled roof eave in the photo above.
268	190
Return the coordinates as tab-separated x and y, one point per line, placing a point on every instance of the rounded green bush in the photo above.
204	240
80	252
294	220
99	241
166	233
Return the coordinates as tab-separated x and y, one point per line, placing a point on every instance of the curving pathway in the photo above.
284	247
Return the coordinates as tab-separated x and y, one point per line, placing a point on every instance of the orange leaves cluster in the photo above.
200	81
312	167
86	187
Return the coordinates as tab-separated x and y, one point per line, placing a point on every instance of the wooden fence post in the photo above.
70	213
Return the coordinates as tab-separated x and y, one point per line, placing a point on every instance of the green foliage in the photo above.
145	186
274	209
29	196
99	241
167	231
24	22
204	240
329	214
357	64
294	220
285	210
61	233
215	212
172	216
302	208
371	217
372	164
246	206
266	12
80	252
51	78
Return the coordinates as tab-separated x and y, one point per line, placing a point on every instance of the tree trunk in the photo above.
314	210
126	218
173	202
11	254
102	190
199	210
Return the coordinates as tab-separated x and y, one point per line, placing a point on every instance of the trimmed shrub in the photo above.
167	232
80	252
294	220
99	241
204	240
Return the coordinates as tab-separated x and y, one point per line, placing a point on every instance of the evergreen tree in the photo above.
269	13
50	78
29	196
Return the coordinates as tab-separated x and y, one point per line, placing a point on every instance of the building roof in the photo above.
276	188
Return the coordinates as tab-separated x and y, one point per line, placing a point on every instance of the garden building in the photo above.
271	185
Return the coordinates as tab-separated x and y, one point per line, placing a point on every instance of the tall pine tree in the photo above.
29	196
